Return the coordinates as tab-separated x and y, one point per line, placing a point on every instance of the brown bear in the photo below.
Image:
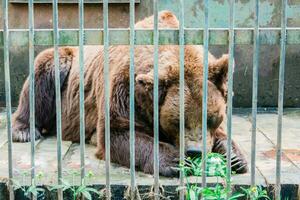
119	61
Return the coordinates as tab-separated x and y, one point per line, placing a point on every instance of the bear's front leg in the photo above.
20	120
44	95
238	161
144	154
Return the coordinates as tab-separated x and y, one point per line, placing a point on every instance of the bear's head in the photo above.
169	98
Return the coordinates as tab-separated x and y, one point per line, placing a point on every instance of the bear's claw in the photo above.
238	162
169	172
171	169
24	135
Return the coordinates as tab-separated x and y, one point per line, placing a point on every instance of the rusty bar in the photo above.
107	96
280	98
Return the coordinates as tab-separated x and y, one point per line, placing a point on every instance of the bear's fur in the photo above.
119	61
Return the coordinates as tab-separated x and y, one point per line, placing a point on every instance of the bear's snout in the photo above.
193	148
193	151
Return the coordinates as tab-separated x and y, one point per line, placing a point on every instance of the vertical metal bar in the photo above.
181	93
81	89
204	93
57	95
131	99
280	98
254	91
7	95
107	95
155	101
31	89
230	91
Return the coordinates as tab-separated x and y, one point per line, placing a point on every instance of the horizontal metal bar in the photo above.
73	1
19	37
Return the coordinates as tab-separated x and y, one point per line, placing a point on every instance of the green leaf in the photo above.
87	195
90	189
192	195
80	188
57	187
40	189
16	184
236	196
264	196
66	183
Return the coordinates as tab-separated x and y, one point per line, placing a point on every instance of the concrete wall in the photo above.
119	17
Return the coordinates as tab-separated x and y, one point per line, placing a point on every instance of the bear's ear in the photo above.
166	19
166	75
218	73
144	86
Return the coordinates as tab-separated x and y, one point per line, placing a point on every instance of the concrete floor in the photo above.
265	154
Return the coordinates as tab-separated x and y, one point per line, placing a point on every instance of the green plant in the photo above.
33	189
219	192
255	193
215	166
78	191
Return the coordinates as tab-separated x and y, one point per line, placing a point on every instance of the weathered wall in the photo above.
119	17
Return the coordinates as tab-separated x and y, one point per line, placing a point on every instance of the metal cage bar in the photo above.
155	101
120	36
181	94
81	89
280	98
7	95
73	1
106	40
230	90
131	99
204	92
57	96
31	89
254	90
107	96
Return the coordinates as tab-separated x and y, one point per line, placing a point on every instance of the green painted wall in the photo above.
119	17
